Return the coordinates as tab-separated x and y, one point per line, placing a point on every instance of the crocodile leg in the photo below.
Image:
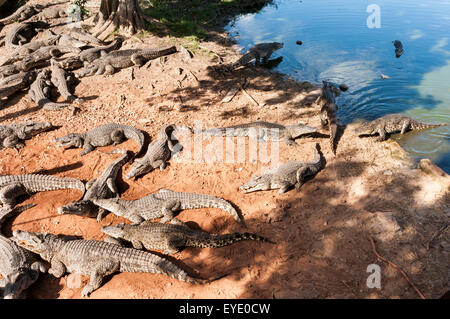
138	59
57	268
137	244
405	127
87	148
12	141
103	269
39	266
109	70
382	133
173	245
284	188
114	241
168	209
300	177
9	193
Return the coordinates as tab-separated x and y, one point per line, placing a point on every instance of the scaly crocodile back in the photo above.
131	260
193	201
38	183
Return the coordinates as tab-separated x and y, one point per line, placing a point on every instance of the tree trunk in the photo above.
123	15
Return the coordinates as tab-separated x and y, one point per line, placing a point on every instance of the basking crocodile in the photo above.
101	136
172	238
21	33
158	153
23	13
263	131
101	187
16	82
96	259
81	35
60	78
260	52
398	48
12	135
49	13
89	55
289	174
40	91
19	267
25	50
21	66
328	111
163	204
122	59
13	186
392	123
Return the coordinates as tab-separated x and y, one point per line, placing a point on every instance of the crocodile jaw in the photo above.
68	141
257	183
301	129
115	231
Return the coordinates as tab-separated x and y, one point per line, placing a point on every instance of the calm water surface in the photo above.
340	47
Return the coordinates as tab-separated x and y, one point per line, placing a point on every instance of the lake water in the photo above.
339	46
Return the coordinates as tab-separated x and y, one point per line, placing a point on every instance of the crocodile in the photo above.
21	66
96	259
21	33
49	13
122	59
81	35
158	153
23	13
392	123
101	187
328	111
19	267
40	91
48	52
25	50
263	131
12	135
172	238
103	135
16	82
13	186
60	78
398	48
89	55
291	173
163	204
260	52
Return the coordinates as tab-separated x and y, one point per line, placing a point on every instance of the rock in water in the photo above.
398	48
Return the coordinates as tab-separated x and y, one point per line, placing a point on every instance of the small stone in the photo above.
139	87
299	42
343	87
387	172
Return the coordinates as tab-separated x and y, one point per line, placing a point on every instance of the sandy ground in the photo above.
321	232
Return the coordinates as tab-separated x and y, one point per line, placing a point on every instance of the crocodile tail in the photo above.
36	182
423	126
332	125
137	135
214	241
141	261
247	58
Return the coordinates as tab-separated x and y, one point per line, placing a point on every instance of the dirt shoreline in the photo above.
322	250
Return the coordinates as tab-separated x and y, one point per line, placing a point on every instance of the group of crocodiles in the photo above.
19	255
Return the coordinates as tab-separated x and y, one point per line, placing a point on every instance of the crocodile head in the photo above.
257	183
300	129
70	140
113	205
140	166
38	243
277	45
80	208
116	231
18	282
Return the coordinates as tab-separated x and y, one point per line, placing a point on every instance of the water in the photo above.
339	46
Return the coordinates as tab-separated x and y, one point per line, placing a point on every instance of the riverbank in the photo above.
321	232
